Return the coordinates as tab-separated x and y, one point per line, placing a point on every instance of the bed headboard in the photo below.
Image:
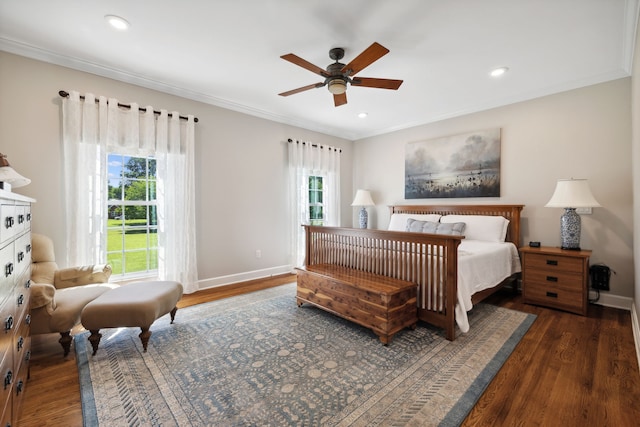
510	212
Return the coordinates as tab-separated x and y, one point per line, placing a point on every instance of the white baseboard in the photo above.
614	301
243	277
635	324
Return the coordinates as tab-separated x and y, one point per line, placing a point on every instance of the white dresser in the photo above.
15	274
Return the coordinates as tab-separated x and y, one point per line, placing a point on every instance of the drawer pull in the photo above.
8	324
8	269
27	356
20	256
19	387
20	343
20	219
552	294
8	222
552	279
29	216
20	300
552	262
8	379
28	248
27	319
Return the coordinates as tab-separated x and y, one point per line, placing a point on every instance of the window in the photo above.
132	225
316	200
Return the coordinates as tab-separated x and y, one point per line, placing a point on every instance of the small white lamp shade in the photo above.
363	198
9	175
571	194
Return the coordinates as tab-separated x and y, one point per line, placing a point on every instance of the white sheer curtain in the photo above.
93	129
307	159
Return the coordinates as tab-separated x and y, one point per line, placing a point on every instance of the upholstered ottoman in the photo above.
133	305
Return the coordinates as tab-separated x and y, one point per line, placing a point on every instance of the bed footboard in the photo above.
429	260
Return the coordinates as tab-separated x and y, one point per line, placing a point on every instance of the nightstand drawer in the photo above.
551	263
554	279
549	296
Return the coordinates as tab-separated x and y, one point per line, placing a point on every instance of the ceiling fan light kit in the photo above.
337	86
337	75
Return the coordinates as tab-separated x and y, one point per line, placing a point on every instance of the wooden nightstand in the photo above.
556	278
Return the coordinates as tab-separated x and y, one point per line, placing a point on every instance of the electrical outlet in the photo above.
584	211
258	253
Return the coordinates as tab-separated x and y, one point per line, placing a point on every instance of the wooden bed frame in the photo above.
429	260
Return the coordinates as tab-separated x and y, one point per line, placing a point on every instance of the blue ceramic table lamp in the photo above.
363	198
571	194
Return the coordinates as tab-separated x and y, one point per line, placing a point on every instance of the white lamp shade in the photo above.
10	176
363	198
572	193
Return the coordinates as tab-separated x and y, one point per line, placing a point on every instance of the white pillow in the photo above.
481	227
398	222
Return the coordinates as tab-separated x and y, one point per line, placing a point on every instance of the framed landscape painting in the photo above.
465	165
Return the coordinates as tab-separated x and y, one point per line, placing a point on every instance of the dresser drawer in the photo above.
7	376
22	254
22	297
7	325
7	413
550	263
22	368
22	343
8	223
7	270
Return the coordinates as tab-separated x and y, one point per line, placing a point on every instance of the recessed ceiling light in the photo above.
497	72
363	115
117	22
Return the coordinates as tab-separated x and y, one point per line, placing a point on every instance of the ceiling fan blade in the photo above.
366	58
295	59
301	89
377	83
339	100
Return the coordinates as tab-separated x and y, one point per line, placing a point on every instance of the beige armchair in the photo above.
59	295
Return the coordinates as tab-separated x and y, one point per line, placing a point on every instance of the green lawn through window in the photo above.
140	250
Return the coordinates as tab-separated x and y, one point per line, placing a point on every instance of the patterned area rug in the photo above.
259	360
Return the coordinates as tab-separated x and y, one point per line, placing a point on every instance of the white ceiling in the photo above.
227	52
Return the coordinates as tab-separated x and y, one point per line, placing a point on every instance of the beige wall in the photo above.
240	166
584	133
241	180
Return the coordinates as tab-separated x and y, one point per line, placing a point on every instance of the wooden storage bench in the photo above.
383	304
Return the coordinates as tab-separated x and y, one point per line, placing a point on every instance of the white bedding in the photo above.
482	265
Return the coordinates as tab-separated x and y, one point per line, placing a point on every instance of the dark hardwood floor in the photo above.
568	370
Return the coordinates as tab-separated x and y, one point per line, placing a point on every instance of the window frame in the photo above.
122	255
313	205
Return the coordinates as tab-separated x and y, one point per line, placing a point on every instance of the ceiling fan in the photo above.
338	75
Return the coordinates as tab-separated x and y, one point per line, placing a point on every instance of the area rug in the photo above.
260	360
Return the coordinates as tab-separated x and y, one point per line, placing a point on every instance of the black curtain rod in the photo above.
314	145
65	94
